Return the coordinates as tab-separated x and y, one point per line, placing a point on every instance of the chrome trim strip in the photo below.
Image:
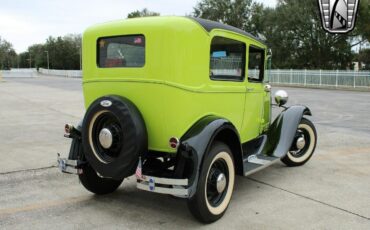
166	181
171	191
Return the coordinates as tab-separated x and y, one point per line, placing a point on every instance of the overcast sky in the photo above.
26	22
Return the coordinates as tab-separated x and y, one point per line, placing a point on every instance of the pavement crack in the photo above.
28	170
309	198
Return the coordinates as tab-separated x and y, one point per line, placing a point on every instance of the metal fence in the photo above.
308	78
62	73
321	78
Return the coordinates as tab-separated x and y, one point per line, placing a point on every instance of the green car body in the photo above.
173	90
184	104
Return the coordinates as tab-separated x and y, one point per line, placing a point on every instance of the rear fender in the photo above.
199	138
75	151
282	131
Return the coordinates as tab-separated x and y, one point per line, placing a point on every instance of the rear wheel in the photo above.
95	184
303	146
89	178
215	184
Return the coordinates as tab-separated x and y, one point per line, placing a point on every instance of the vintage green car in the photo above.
183	103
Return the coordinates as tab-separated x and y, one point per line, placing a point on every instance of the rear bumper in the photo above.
175	187
69	166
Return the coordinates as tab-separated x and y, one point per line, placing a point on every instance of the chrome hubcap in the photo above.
105	138
301	142
221	183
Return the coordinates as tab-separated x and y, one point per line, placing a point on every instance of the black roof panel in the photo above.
210	25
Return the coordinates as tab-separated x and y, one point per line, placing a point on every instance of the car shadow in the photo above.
161	210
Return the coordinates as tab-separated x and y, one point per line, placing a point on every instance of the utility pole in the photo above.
47	58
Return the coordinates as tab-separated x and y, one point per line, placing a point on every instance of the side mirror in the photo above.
269	53
281	97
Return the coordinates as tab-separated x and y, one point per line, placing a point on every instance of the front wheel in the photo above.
303	146
215	184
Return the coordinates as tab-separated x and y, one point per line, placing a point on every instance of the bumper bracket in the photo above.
70	166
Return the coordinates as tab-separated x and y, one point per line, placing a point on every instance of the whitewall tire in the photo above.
300	153
215	184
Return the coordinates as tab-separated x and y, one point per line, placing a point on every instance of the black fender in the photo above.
282	131
196	142
76	151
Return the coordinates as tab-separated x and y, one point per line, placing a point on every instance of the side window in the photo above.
227	59
255	64
121	51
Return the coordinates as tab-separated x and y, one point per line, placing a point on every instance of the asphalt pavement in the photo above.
332	191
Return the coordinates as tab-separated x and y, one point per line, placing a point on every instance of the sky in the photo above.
27	22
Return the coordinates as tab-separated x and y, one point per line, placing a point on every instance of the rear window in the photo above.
121	51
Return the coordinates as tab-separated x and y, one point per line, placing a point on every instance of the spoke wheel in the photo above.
303	145
106	136
215	184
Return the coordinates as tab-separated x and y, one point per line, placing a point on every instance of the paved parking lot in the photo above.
332	191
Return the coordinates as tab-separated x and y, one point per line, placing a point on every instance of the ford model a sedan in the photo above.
184	104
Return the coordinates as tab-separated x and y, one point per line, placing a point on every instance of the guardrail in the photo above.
62	73
321	78
19	73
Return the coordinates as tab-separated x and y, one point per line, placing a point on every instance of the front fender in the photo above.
282	131
197	140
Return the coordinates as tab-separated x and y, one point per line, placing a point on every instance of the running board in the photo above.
255	163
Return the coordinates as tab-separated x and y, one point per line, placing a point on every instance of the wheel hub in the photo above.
105	138
300	143
221	183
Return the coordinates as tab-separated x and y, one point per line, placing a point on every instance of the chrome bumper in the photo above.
69	166
175	187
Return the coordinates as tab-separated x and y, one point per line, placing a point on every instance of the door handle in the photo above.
249	89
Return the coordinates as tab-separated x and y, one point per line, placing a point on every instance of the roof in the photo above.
209	25
163	21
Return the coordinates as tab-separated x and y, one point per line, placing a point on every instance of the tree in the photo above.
38	56
295	34
64	52
364	58
238	13
8	56
143	13
361	32
24	60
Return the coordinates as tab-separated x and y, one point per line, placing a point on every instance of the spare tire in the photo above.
113	136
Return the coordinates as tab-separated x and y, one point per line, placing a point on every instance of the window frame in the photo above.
262	70
225	77
118	36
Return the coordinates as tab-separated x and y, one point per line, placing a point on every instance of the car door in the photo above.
255	93
227	76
